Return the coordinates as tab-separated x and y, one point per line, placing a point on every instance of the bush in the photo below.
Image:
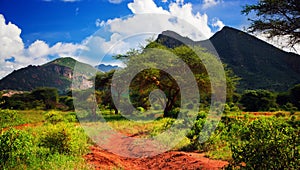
267	144
258	100
64	139
15	148
54	117
9	118
207	139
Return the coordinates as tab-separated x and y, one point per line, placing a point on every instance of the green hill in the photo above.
57	73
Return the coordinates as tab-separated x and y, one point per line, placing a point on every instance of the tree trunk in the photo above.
116	111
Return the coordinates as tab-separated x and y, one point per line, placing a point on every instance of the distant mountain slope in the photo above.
57	73
259	64
106	68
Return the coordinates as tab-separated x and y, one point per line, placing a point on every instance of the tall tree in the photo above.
48	95
276	18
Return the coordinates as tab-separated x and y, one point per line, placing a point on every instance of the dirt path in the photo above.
22	126
102	159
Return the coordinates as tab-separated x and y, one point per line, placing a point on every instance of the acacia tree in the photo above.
103	83
276	18
148	80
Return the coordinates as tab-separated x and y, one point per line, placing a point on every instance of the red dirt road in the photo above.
102	159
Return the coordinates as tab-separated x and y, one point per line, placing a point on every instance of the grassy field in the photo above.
54	139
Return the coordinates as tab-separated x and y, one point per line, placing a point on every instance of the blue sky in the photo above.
36	31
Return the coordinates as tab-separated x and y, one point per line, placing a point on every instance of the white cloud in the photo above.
99	23
218	23
177	18
115	1
145	6
210	3
148	20
10	40
37	53
38	49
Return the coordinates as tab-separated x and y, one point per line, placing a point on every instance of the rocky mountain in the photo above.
106	68
259	65
57	73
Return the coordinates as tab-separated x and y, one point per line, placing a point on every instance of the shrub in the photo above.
208	139
267	144
64	139
9	118
71	117
8	115
15	148
54	117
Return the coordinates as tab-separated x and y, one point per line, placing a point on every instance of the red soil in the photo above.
102	159
22	126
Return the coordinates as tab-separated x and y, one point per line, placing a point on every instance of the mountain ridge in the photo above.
259	65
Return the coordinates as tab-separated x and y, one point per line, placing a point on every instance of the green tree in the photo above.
295	95
148	80
48	95
276	18
258	100
103	83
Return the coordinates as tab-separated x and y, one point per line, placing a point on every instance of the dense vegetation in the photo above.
245	140
56	144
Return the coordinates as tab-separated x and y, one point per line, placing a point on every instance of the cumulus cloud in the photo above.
13	54
210	3
148	17
177	11
145	6
148	20
218	23
10	40
121	34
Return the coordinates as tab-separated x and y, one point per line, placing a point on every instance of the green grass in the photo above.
32	116
218	147
68	140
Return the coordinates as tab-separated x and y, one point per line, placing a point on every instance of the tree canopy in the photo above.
158	76
276	18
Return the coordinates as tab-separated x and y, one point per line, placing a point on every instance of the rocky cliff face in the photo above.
53	74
